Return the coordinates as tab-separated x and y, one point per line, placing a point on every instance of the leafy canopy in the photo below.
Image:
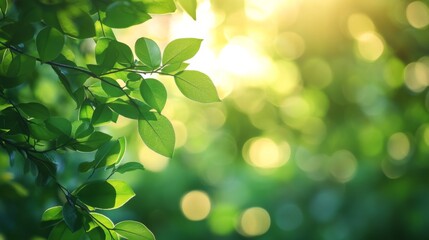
48	33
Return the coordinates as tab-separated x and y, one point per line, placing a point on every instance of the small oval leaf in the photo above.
154	93
197	86
158	134
180	50
148	52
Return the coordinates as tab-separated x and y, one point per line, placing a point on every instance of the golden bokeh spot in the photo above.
254	221
416	76
370	46
418	14
195	205
265	153
358	24
398	146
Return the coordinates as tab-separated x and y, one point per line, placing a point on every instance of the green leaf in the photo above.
159	6
148	52
123	14
97	233
52	214
39	131
133	230
125	55
81	129
34	110
111	87
103	31
180	50
105	221
127	109
59	125
110	194
16	32
103	114
10	64
110	153
72	218
49	42
92	142
3	6
129	166
154	93
85	166
197	86
105	53
190	6
61	231
174	68
70	20
158	134
86	111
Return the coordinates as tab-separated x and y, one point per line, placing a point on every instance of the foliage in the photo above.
102	83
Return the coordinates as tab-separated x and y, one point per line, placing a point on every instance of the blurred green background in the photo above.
322	132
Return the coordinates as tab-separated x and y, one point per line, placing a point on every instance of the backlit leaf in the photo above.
61	231
148	52
154	93
158	134
110	153
110	194
92	142
159	6
133	110
190	6
197	86
53	213
180	50
133	230
174	68
111	87
103	114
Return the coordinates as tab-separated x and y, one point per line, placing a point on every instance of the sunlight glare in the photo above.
370	46
243	58
265	153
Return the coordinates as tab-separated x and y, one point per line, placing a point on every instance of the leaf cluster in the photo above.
117	83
